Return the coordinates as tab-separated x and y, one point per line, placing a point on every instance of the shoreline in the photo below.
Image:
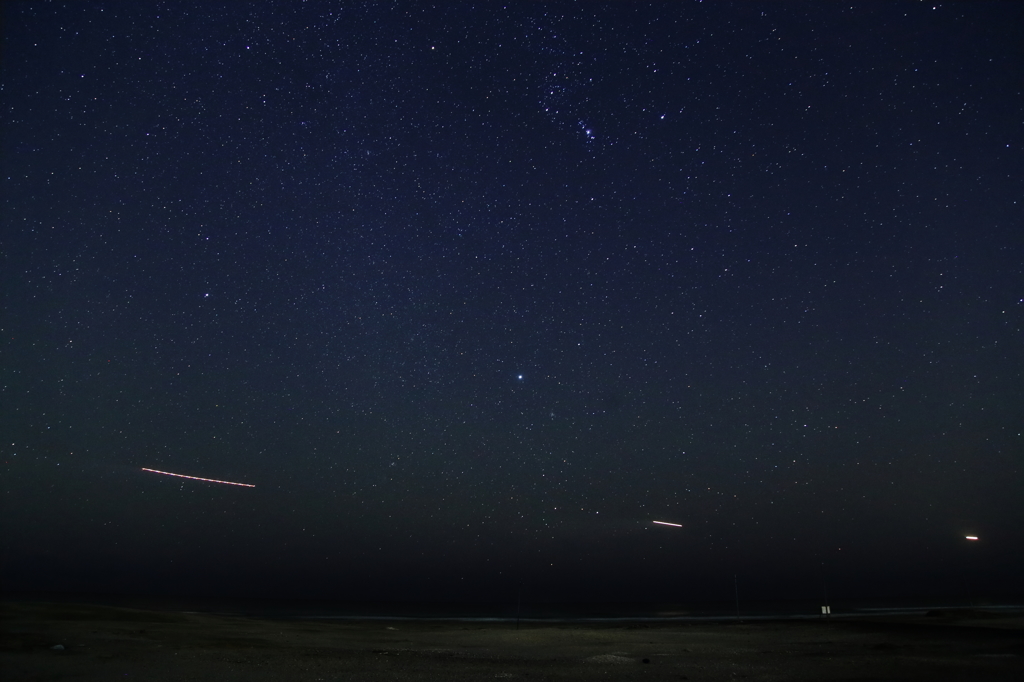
101	642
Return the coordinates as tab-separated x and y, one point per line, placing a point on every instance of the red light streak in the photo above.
197	478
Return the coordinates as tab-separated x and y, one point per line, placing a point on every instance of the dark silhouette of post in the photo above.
736	589
519	605
826	610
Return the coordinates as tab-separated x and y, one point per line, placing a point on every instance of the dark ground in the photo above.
107	643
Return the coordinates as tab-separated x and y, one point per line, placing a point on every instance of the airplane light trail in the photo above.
971	537
197	478
666	523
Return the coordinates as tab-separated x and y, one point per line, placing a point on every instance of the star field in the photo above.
472	293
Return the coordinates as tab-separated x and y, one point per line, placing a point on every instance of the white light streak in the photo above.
971	537
666	523
197	478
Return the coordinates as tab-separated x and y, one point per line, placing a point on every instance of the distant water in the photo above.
612	613
528	612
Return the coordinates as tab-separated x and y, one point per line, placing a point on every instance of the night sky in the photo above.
472	294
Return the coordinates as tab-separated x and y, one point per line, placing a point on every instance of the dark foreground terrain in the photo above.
105	643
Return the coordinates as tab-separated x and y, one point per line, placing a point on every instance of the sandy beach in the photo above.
85	642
